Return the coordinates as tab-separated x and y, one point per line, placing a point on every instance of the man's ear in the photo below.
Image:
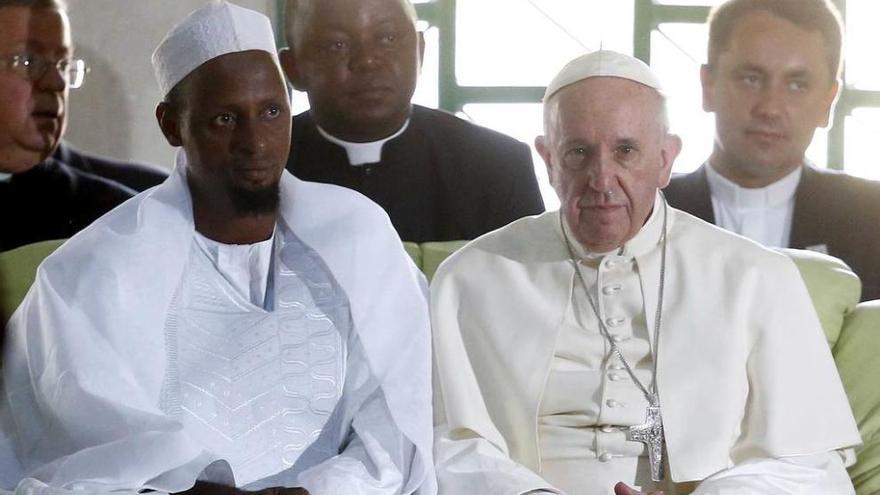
169	122
289	64
829	102
668	153
421	35
707	80
543	149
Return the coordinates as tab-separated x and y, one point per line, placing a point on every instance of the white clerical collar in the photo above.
362	153
742	198
244	266
646	239
4	177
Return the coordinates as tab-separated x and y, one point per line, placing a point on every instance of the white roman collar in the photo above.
4	177
737	197
362	153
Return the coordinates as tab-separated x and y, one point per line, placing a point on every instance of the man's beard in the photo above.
254	202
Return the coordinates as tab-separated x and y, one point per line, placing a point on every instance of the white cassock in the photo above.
528	396
146	357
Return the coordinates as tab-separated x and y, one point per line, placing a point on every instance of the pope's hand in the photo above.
622	489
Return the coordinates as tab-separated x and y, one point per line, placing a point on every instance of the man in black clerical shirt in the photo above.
771	80
438	177
41	196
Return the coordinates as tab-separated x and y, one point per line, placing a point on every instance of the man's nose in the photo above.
365	56
770	103
52	79
249	139
602	175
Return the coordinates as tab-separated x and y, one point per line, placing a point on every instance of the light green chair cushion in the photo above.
433	253
414	250
832	285
857	355
18	268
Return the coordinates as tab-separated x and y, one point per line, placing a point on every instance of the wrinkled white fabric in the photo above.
820	474
85	364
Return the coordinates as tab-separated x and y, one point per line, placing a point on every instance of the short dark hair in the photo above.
811	15
36	4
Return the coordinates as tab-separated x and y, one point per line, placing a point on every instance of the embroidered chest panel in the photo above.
256	387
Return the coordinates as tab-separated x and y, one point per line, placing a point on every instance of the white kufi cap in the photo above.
603	63
211	31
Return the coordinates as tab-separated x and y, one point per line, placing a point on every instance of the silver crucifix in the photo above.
651	434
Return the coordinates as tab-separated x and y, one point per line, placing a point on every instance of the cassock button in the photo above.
607	429
605	457
609	263
611	290
618	339
613	403
615	322
615	367
615	377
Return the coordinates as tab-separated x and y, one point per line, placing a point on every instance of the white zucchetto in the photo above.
211	31
603	63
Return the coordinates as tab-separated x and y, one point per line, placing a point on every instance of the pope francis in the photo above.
621	346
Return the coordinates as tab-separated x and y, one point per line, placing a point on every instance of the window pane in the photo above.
862	130
427	92
677	52
526	42
862	37
818	150
522	121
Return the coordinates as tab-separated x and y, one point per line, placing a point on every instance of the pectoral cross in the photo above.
651	434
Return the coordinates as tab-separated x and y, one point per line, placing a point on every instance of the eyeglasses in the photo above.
34	67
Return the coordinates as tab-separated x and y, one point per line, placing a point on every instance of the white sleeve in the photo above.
375	461
818	474
472	464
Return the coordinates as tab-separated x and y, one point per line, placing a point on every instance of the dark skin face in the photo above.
232	118
32	113
358	60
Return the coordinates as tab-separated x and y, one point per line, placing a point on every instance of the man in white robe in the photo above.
234	329
553	335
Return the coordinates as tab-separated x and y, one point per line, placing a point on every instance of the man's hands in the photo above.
282	491
622	489
205	488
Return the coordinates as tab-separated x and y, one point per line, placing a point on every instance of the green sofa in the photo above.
852	329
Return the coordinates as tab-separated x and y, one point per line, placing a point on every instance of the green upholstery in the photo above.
18	268
834	288
857	355
414	251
